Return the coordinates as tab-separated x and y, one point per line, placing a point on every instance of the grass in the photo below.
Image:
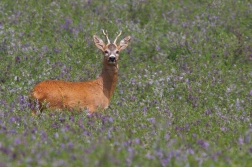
184	95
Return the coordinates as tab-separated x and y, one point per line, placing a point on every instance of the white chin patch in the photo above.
112	62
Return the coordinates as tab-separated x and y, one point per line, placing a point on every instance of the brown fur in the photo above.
92	94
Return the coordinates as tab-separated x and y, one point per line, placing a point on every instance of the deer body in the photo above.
94	94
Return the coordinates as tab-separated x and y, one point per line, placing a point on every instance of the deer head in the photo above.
111	50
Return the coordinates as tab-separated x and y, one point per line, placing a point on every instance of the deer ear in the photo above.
124	43
98	42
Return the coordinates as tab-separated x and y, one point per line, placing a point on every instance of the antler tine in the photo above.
118	36
106	34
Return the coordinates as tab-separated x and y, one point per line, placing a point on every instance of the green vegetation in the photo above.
184	95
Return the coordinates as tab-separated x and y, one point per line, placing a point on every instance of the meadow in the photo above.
183	98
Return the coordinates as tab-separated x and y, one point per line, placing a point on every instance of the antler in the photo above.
106	34
118	36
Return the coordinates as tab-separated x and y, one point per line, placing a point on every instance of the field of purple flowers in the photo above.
184	95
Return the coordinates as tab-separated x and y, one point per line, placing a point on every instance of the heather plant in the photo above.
183	98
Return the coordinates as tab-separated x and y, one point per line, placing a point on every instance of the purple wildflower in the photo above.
203	144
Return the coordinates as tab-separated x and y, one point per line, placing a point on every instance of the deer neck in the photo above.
108	79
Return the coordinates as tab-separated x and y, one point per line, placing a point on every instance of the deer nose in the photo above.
112	59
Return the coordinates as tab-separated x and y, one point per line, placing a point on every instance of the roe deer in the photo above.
92	94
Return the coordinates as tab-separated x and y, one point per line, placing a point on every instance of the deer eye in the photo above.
106	52
117	52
